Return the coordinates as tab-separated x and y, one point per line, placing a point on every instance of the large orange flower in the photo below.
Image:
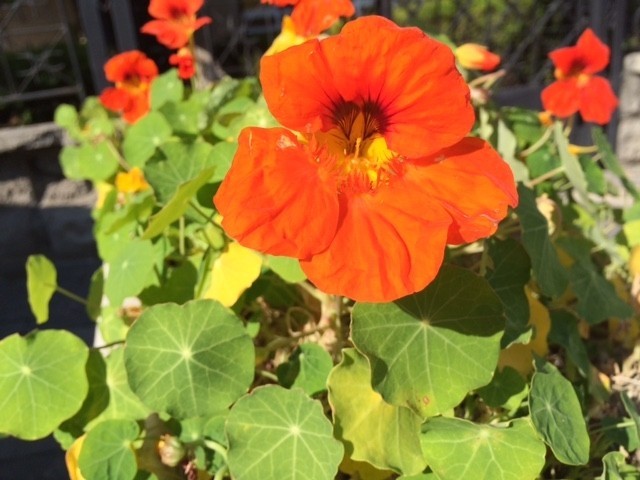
175	21
577	89
312	17
132	72
379	177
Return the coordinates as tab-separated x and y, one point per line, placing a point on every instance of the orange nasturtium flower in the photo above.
577	89
185	62
476	57
380	176
132	72
175	21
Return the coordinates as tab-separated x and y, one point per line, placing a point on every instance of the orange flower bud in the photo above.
476	57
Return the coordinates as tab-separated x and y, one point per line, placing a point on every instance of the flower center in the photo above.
357	146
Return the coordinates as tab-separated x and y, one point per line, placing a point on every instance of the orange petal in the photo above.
276	198
594	51
133	63
114	99
137	108
390	243
474	185
168	9
312	17
562	97
171	34
597	101
476	57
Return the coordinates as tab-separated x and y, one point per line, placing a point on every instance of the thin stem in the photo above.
538	143
268	375
200	212
181	238
109	345
123	163
220	474
615	426
216	447
545	176
71	295
488	80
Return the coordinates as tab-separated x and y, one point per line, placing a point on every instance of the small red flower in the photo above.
132	72
175	21
577	89
312	17
185	62
380	176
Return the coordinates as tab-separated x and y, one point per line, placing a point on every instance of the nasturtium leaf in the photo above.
178	287
507	390
557	416
307	368
137	210
232	273
572	167
510	273
190	360
257	115
96	290
386	436
66	116
107	453
616	468
144	137
525	125
223	153
42	382
283	434
551	275
177	205
287	268
89	162
631	410
186	117
428	350
597	298
611	162
166	88
130	271
543	161
457	449
564	332
596	181
507	144
222	92
42	282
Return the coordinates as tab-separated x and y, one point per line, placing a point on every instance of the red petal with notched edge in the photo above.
597	101
277	198
473	184
390	243
562	97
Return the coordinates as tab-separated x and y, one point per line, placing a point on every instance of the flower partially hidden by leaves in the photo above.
577	88
171	450
381	175
183	59
476	57
175	21
71	459
132	72
132	181
308	20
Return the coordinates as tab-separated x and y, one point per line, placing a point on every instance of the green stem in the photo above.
268	375
615	426
181	239
217	448
538	143
200	212
545	176
220	474
71	295
123	163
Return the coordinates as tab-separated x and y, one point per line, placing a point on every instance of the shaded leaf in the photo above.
610	160
564	332
507	390
307	368
616	468
107	453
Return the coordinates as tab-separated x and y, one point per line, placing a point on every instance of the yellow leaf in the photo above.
71	459
233	272
102	190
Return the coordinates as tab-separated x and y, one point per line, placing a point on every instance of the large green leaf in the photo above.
457	449
130	271
107	453
144	137
551	275
510	273
178	204
166	88
428	350
308	368
283	434
42	382
189	360
386	436
557	416
89	162
42	282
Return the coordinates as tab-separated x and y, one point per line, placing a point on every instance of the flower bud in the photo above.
476	57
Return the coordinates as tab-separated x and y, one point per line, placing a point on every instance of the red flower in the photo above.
132	72
312	17
380	177
576	88
183	59
175	21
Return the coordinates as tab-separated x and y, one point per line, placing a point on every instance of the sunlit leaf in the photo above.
386	436
130	271
557	416
189	360
42	282
42	382
457	449
507	144
186	117
89	162
107	453
307	368
283	434
287	268
166	87
144	137
428	350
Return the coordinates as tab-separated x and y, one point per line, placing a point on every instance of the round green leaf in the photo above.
107	453
283	434
42	281
190	360
42	382
557	416
144	137
457	449
89	162
166	88
428	350
386	436
130	271
307	368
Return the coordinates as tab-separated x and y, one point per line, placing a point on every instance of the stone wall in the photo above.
628	140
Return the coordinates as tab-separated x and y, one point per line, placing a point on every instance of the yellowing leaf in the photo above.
519	356
71	459
233	272
102	190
